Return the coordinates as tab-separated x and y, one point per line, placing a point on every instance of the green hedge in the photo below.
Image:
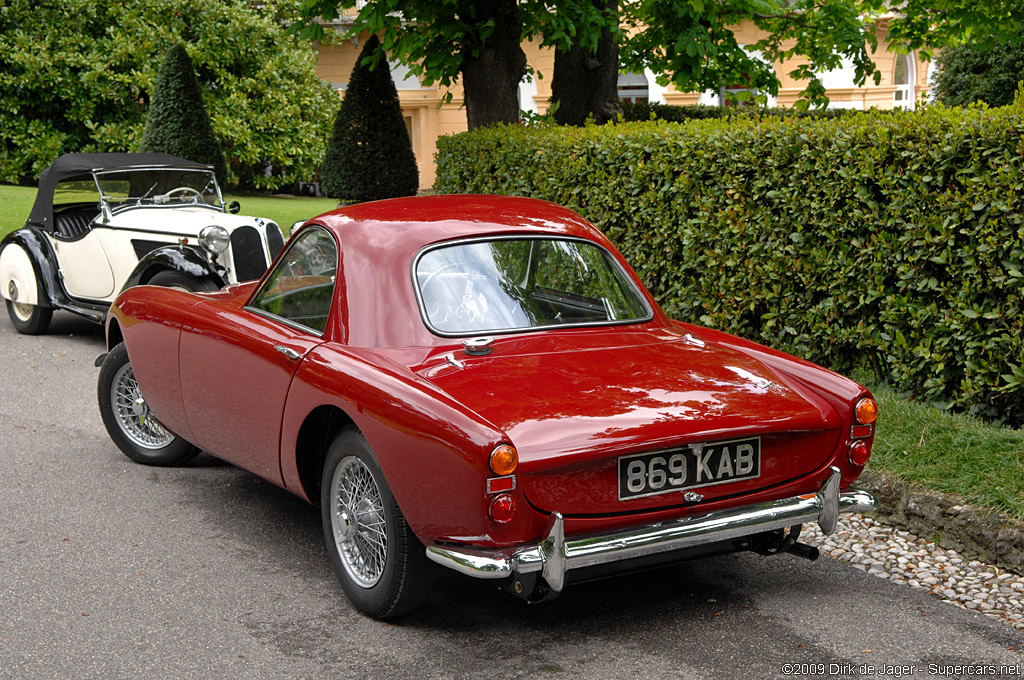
894	242
645	111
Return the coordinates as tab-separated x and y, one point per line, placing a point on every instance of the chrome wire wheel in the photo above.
132	414
358	522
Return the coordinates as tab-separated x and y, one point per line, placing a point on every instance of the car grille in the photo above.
275	239
247	252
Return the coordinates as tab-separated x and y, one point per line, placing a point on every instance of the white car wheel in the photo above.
19	282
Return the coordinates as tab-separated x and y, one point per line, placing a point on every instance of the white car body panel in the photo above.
84	268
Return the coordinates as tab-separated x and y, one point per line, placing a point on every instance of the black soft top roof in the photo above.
76	166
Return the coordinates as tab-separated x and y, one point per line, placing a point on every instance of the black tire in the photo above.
29	319
128	420
171	279
386	580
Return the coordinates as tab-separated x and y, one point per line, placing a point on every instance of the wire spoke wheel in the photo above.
132	414
379	562
358	522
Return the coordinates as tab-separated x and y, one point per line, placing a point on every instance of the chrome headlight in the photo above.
214	238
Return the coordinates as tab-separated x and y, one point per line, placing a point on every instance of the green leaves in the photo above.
370	156
77	75
889	241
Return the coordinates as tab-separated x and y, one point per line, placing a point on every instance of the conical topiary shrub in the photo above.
369	155
176	122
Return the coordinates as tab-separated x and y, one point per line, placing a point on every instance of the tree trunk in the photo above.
585	83
490	79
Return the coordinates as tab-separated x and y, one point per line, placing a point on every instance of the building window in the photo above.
904	75
633	87
738	94
403	77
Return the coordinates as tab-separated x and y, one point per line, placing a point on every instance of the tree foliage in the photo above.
691	44
694	46
969	73
177	122
76	76
370	156
477	42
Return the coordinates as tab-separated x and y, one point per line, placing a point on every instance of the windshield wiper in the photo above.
146	195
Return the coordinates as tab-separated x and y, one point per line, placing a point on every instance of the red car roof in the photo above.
379	241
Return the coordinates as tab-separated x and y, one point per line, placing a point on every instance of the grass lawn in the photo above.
916	442
285	210
949	452
16	203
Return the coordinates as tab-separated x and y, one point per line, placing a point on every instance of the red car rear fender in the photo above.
432	450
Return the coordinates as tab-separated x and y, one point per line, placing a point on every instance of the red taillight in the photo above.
859	453
502	508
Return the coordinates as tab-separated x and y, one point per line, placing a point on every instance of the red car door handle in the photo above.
288	352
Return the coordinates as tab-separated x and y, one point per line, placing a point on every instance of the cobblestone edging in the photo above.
932	541
900	556
947	520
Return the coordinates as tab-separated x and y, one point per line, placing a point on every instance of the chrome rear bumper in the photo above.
555	555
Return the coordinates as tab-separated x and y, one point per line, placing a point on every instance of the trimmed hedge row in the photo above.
645	111
892	242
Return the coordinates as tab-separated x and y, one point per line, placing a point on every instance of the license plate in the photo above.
690	467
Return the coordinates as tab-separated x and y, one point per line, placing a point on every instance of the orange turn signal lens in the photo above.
866	411
504	459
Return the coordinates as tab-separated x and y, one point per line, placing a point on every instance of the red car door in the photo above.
237	363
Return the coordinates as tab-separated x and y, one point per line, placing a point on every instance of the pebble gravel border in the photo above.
896	555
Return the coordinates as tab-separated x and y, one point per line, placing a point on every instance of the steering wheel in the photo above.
440	309
451	265
479	305
197	197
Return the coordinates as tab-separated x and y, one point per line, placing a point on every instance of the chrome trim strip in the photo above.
281	320
491	480
555	555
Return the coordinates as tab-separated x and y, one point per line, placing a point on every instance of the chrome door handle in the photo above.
288	352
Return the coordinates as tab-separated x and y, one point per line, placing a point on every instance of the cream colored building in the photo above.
905	81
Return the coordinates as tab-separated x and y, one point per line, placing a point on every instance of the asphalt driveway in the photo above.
109	569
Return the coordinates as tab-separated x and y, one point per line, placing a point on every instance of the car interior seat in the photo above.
74	222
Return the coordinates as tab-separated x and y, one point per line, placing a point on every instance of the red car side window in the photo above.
300	290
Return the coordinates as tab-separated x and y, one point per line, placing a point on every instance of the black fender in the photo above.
186	260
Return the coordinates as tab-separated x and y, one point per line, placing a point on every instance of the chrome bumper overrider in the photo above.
555	555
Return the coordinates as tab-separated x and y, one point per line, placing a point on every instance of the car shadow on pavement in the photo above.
66	323
284	527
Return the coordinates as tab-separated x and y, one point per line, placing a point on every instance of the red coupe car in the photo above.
484	383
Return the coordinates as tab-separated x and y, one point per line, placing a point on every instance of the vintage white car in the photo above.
105	222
